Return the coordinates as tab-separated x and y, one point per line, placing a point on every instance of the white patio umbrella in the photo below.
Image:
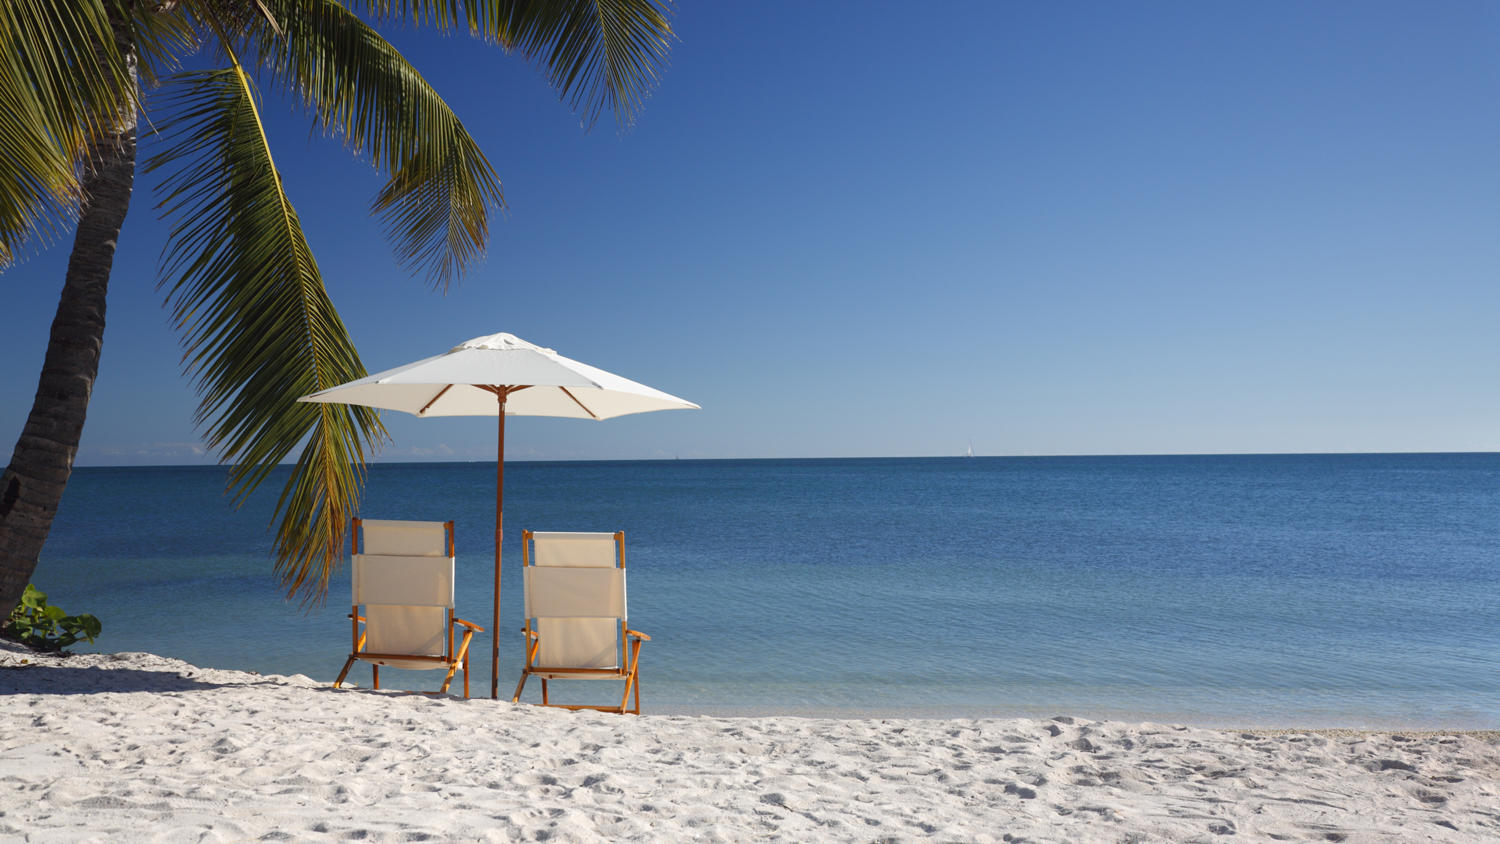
501	375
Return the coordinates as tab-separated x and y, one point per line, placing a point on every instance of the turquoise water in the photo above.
1323	590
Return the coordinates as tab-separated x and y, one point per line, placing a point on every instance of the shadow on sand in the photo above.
63	680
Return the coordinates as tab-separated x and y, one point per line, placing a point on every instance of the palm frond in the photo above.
163	38
258	325
606	53
600	53
435	205
37	183
63	81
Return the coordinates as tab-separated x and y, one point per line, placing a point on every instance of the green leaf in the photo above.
33	597
436	202
62	82
604	53
88	625
161	37
258	325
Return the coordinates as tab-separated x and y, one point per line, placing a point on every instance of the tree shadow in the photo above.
63	680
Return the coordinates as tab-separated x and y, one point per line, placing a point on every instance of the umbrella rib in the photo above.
502	391
434	399
576	401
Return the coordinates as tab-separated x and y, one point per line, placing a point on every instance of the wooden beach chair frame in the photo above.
627	648
451	659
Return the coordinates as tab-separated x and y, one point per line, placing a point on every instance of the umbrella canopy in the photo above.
454	384
501	375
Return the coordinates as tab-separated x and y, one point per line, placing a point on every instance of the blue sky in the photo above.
848	230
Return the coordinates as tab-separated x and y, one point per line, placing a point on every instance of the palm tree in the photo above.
258	326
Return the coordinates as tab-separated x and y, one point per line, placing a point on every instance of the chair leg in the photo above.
625	699
634	680
544	691
345	673
376	669
519	686
461	658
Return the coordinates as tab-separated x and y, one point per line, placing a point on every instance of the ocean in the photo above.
1260	590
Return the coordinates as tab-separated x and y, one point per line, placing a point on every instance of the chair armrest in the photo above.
532	633
469	624
355	617
637	634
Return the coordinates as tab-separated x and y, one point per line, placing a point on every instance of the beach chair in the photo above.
575	614
404	580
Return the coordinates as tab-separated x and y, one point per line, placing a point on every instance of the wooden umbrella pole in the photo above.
500	393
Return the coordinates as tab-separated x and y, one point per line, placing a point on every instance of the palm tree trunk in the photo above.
33	484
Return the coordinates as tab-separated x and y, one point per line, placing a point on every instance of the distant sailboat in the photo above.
971	449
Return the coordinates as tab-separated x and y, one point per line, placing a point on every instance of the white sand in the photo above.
134	747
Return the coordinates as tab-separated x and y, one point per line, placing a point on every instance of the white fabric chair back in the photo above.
405	582
576	550
576	593
578	642
405	539
413	631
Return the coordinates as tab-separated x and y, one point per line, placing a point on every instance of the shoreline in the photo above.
979	714
136	747
13	653
1345	726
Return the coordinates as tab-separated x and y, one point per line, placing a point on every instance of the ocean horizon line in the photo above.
865	458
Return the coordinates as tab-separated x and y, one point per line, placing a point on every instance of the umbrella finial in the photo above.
501	342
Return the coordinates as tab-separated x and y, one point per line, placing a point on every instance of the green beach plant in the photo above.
258	326
38	625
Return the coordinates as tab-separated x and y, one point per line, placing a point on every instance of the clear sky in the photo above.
848	229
